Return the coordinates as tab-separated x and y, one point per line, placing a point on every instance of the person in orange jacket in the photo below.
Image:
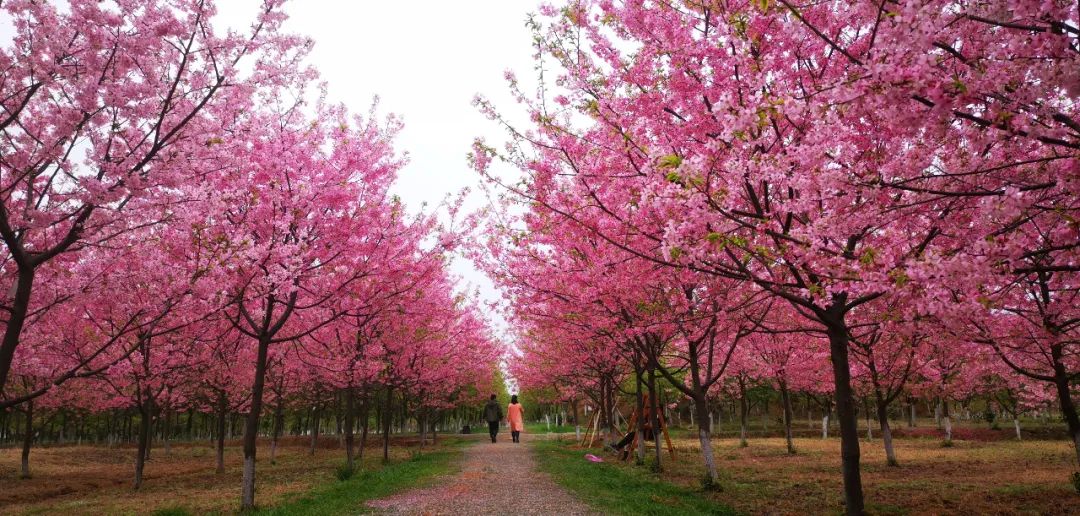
516	414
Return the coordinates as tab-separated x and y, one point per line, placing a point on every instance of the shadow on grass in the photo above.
614	490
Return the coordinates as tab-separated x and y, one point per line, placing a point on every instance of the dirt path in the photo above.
494	479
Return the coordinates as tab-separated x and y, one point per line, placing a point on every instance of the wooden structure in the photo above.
634	419
593	430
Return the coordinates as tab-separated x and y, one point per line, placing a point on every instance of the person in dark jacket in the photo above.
493	415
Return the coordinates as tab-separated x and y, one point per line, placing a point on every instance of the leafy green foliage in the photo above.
344	472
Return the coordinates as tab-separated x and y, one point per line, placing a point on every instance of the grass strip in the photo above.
613	489
541	428
350	495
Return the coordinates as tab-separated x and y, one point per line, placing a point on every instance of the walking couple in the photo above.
493	414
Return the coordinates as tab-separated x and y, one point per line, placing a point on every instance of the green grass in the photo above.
614	490
542	428
1020	489
349	496
172	511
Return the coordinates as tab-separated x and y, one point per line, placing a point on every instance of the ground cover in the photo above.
970	477
348	496
543	428
97	480
613	489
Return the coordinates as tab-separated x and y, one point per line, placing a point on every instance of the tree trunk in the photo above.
911	414
251	428
765	415
744	412
869	427
337	425
422	423
948	420
28	439
150	439
577	422
825	425
886	432
809	415
386	424
365	413
350	420
279	422
846	413
654	415
166	432
701	407
1016	424
937	414
639	424
1068	409
20	305
606	412
146	415
315	419
785	396
222	408
435	429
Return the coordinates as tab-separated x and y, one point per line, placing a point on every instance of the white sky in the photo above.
426	60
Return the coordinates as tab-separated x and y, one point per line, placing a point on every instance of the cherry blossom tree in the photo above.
801	148
715	319
107	108
886	356
313	202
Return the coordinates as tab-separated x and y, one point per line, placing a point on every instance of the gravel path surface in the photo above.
496	478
